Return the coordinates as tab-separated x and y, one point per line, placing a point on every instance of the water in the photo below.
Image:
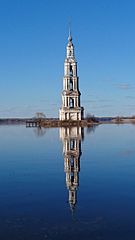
74	183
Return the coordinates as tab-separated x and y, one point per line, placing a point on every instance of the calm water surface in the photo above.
65	183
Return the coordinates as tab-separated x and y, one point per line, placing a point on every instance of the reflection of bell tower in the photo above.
71	138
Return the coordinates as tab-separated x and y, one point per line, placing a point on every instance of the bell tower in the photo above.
71	108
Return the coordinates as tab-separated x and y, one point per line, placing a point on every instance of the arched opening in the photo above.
72	161
72	144
72	177
71	103
71	85
70	71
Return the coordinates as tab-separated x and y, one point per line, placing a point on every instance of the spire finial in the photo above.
69	36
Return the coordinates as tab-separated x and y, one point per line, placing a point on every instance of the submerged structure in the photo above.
71	107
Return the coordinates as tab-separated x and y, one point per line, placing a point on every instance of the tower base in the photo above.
75	114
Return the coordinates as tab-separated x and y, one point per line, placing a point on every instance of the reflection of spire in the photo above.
71	138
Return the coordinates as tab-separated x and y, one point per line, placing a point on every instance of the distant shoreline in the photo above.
55	122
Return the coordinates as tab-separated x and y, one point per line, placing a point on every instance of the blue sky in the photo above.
33	38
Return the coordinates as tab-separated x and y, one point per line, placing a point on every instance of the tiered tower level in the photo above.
71	108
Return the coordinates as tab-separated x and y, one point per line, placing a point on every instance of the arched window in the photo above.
72	177
72	144
71	102
72	161
71	85
70	71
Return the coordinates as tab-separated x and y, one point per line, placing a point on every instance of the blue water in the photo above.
60	184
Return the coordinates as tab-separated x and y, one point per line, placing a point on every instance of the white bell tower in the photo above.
71	108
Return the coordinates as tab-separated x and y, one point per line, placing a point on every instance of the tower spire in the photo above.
69	35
